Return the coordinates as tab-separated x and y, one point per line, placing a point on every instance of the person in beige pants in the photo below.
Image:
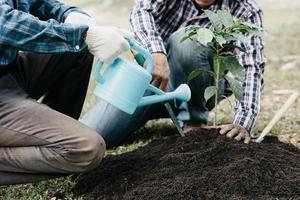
46	52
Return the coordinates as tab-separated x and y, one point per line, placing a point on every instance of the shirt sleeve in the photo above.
51	9
143	24
253	61
23	31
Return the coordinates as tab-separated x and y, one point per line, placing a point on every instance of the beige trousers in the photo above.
44	140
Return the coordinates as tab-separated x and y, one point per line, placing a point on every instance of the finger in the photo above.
156	81
247	138
125	33
225	128
125	45
232	133
109	60
164	85
240	136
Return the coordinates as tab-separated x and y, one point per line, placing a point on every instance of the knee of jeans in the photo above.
188	52
174	43
85	152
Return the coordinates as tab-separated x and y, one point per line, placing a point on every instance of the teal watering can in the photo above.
124	83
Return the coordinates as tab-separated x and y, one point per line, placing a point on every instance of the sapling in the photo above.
222	38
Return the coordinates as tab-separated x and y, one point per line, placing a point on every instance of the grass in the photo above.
283	41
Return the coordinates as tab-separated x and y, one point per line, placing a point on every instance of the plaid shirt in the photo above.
36	26
153	22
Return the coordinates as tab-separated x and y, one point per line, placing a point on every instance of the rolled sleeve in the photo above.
143	25
245	119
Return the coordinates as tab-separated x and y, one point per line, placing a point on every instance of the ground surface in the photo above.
202	165
282	72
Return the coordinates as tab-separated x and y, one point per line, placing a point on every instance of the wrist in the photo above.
80	18
159	57
159	54
84	35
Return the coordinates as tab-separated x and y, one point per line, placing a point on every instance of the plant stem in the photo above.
217	63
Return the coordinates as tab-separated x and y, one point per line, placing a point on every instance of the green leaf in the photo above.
240	37
247	28
190	32
210	92
205	36
231	64
252	26
236	86
185	38
193	28
198	72
229	48
226	18
214	19
221	40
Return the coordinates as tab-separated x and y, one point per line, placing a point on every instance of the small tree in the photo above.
225	31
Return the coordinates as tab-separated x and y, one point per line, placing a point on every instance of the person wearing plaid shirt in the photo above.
46	52
157	26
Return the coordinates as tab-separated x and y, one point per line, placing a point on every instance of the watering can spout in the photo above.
182	93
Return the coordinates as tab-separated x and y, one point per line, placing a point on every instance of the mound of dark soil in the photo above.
198	166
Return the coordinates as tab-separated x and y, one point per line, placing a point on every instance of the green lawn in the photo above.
283	46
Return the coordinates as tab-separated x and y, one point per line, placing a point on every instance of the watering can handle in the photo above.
134	46
96	72
144	53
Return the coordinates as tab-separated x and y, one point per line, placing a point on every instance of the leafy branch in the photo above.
221	37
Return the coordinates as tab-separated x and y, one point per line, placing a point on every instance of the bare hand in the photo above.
235	131
161	72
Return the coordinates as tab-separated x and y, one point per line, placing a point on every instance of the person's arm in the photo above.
23	31
51	9
253	61
143	24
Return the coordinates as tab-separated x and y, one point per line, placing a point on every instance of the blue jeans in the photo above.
115	125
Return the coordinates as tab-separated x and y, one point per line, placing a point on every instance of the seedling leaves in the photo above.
236	86
240	37
210	92
214	19
220	39
231	64
205	36
226	18
198	72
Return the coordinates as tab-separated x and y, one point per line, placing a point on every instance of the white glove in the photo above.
80	18
106	43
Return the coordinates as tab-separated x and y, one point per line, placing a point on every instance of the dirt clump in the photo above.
202	165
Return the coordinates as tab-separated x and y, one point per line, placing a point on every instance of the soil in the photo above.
202	165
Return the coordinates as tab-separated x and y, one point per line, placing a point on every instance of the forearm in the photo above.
22	31
143	25
248	109
52	9
253	60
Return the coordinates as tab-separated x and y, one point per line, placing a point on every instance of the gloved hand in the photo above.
106	42
80	18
